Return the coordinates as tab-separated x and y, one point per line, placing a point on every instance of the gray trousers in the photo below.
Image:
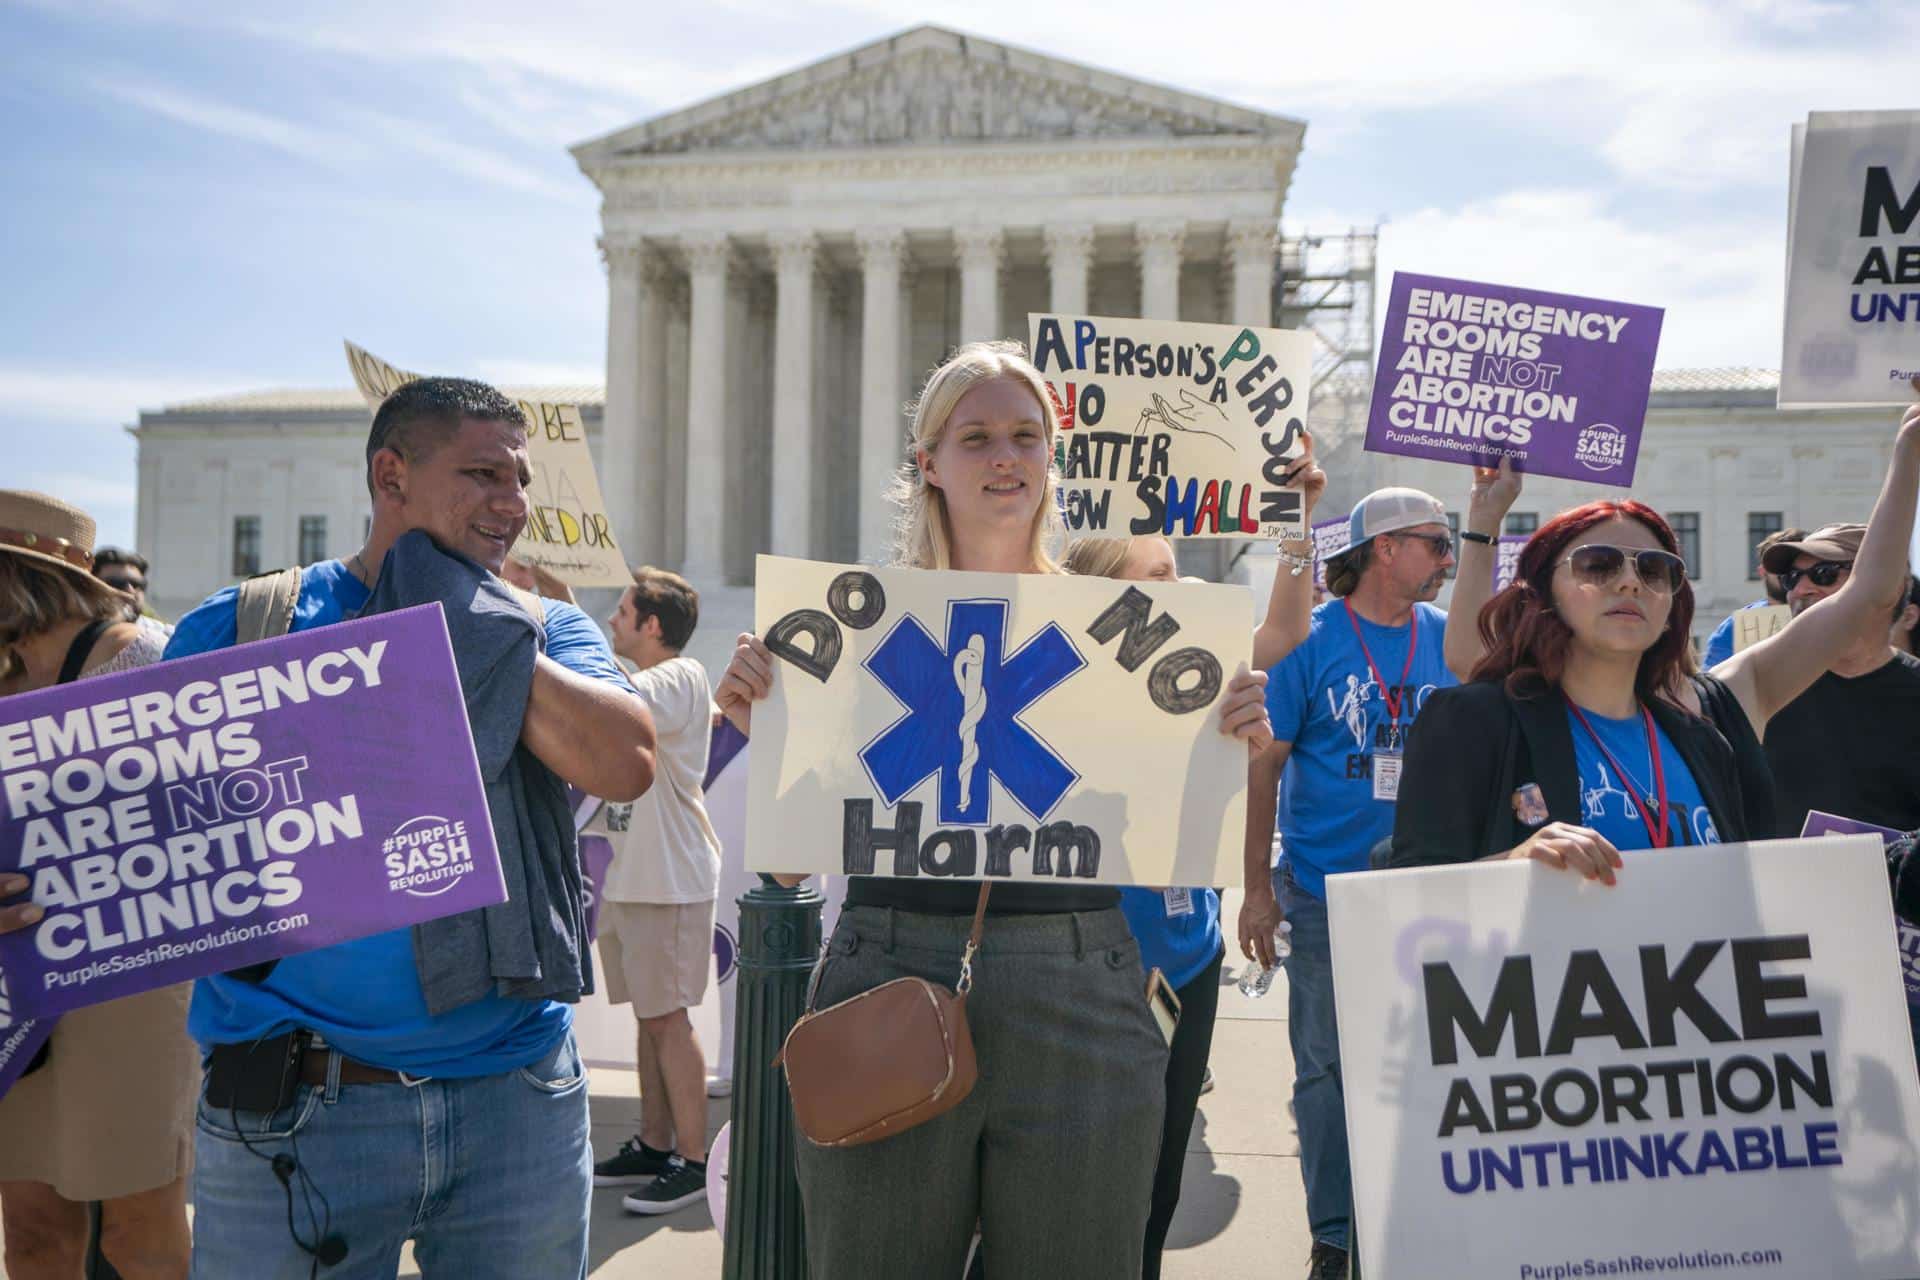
1053	1152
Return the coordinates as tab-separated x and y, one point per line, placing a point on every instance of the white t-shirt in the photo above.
665	850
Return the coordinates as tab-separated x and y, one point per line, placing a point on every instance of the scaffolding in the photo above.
1323	285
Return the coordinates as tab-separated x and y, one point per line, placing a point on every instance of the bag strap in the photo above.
973	939
82	645
264	607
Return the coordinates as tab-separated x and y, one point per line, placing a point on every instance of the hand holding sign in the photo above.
19	915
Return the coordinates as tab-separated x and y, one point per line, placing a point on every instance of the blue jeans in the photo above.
489	1177
1319	1097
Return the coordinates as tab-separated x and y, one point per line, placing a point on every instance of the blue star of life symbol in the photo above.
963	700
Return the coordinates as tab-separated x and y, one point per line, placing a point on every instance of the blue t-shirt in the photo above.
1720	643
1323	699
1179	946
1612	806
363	997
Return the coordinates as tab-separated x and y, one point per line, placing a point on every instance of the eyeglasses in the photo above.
1824	574
1597	565
125	584
1439	543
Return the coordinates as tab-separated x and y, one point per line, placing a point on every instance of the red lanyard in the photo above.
1390	697
1657	833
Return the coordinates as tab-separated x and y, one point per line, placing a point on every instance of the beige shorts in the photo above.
656	955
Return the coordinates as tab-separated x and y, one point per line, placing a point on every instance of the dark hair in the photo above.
1526	641
1344	570
1911	596
419	416
670	598
117	555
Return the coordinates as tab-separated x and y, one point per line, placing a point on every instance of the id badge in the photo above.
1179	902
1386	775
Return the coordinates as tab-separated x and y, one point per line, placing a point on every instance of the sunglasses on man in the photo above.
1824	574
124	583
1439	543
1598	564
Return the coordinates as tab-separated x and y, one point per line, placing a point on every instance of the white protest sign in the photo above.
568	533
1705	1068
1750	626
1853	260
1175	428
1024	726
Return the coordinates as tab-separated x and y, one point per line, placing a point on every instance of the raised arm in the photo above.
592	734
1290	604
1767	676
1492	496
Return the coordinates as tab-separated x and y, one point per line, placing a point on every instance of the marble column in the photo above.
1250	248
1069	262
792	453
708	257
649	544
979	250
883	424
619	462
1159	244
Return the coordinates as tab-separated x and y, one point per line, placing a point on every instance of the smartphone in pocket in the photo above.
1164	1004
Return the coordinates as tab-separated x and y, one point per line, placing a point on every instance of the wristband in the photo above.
1470	536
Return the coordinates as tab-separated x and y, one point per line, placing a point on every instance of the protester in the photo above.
1905	634
1720	643
1567	747
106	1110
1179	928
447	1106
657	902
1070	1097
1341	703
123	571
1743	694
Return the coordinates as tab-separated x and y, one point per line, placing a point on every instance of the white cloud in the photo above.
230	121
1721	284
104	397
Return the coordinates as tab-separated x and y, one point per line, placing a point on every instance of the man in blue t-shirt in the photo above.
1720	643
466	1131
1340	704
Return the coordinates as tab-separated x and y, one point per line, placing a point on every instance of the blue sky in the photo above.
207	198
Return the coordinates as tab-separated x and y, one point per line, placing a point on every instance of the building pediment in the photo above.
932	86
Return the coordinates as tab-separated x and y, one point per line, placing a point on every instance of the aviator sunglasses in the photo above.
1824	574
1597	564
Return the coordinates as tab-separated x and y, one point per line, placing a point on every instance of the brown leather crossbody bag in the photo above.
886	1060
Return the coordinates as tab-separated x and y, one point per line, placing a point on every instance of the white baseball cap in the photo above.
1391	510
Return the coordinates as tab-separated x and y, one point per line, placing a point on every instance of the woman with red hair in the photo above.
1568	746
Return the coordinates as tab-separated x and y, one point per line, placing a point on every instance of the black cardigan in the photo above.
1474	745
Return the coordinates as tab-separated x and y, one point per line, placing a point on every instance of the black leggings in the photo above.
1192	1042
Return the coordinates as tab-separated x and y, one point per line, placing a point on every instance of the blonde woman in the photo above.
1053	1153
108	1113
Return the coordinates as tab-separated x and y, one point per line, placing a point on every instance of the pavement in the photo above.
1242	1211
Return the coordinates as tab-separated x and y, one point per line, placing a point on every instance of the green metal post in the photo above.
779	941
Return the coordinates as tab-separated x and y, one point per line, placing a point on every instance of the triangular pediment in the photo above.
933	86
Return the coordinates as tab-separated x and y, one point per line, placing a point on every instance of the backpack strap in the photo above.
264	608
81	649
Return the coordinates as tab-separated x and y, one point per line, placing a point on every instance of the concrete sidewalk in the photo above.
1242	1210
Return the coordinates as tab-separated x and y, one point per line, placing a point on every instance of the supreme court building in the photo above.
786	262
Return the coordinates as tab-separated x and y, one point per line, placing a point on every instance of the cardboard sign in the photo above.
568	533
212	812
1853	260
1020	726
1751	626
1473	373
1704	1067
1832	824
1174	428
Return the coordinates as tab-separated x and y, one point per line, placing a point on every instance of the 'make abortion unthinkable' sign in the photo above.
1011	726
1474	373
1705	1068
216	811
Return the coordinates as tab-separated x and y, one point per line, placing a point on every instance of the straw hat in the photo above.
47	529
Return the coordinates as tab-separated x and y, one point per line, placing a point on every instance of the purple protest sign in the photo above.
20	1039
1473	373
233	807
1832	824
1506	559
1330	538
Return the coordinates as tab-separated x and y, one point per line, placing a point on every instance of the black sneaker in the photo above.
683	1183
634	1165
1327	1262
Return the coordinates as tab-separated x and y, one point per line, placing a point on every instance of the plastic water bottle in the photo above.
1256	982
